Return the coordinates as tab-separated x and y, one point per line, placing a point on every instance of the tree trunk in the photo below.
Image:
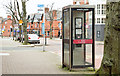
13	31
111	59
24	23
51	30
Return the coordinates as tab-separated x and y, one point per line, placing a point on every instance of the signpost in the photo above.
42	11
20	23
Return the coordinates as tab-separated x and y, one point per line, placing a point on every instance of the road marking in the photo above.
4	54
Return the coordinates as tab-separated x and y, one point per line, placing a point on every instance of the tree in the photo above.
14	11
51	16
24	21
111	59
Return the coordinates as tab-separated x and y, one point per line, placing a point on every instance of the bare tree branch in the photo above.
14	6
18	10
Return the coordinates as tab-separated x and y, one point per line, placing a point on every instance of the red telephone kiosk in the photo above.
78	36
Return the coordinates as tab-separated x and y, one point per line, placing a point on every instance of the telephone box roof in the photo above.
79	6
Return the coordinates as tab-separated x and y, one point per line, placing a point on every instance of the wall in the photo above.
99	36
7	25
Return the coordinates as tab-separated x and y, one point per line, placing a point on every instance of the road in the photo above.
9	45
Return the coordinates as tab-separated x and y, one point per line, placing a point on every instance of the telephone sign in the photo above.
83	41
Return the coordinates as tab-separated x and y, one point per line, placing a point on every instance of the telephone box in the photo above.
78	36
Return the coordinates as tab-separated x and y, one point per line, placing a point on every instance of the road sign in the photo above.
40	5
2	31
20	21
40	9
43	28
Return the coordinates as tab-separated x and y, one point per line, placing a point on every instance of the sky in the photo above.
31	5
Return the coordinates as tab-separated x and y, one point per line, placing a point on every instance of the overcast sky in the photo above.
32	5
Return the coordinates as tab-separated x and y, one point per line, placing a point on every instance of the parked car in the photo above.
33	38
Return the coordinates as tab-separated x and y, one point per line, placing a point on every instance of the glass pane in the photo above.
66	37
78	31
88	54
88	25
78	23
78	54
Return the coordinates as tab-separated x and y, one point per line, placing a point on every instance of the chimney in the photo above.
46	10
80	2
55	12
8	17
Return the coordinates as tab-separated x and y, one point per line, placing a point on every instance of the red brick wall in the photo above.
7	25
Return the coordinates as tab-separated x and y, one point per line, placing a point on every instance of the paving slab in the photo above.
31	63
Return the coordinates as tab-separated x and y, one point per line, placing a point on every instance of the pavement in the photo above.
32	60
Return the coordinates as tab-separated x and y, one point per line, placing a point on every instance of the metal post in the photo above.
1	30
45	40
44	30
10	30
22	33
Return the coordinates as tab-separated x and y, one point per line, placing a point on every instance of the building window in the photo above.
5	22
103	6
98	6
29	26
98	9
48	33
37	25
98	34
98	12
103	20
98	20
103	12
103	9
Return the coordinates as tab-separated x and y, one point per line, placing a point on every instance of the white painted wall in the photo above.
95	2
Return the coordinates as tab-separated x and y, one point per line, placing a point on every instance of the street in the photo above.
32	60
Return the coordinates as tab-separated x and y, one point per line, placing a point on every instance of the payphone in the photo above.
78	36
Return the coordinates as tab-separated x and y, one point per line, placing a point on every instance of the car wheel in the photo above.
38	42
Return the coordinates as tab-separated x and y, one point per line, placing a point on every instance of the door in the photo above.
82	39
78	48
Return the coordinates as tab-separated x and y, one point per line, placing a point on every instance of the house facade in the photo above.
100	17
35	24
6	27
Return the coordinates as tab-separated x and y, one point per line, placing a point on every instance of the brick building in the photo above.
35	26
80	2
6	26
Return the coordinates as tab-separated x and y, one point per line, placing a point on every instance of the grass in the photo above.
27	44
